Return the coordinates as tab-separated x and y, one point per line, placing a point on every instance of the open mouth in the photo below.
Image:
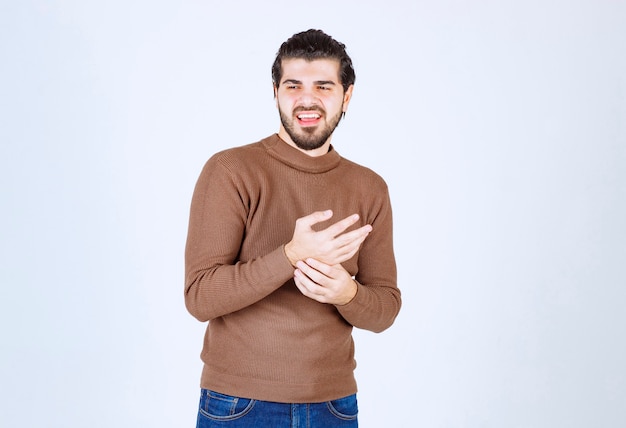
308	118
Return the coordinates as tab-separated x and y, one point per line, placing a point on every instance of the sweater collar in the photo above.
293	157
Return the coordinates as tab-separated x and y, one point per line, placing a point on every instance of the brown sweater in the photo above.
264	339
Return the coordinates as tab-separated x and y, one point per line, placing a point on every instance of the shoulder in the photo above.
238	160
237	156
363	175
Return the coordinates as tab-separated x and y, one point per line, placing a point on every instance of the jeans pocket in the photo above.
345	408
217	406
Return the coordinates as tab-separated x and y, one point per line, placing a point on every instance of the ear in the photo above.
275	91
347	96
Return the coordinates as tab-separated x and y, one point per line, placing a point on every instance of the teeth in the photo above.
308	116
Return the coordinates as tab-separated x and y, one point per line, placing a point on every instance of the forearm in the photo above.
373	308
219	278
378	299
218	289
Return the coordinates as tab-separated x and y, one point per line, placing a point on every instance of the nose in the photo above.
307	97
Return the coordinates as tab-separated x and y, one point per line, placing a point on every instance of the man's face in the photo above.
310	100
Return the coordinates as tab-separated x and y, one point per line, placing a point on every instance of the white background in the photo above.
500	127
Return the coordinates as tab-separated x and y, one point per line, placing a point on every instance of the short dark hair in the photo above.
311	45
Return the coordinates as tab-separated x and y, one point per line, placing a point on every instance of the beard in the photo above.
311	137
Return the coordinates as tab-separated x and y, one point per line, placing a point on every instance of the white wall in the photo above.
499	126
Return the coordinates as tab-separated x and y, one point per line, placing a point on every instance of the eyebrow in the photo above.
317	82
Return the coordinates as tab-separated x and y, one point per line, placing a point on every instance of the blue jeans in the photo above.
220	410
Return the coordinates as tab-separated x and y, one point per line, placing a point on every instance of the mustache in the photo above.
309	108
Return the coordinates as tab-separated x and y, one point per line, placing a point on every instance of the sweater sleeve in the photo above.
378	300
216	282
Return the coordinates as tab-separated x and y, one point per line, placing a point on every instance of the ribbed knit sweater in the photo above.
266	340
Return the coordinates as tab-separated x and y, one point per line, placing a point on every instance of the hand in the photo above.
330	246
324	283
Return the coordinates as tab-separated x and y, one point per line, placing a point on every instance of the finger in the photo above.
355	236
346	251
339	227
312	274
346	254
317	266
316	217
308	287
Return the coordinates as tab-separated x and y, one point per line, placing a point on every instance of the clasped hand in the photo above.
317	257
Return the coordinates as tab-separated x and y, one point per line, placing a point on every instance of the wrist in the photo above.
290	255
353	292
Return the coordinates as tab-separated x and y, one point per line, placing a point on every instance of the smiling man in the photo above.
289	247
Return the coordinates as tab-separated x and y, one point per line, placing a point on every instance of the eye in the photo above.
324	88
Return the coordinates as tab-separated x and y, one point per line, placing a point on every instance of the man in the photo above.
289	248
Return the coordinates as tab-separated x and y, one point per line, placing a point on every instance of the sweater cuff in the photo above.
280	264
357	305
